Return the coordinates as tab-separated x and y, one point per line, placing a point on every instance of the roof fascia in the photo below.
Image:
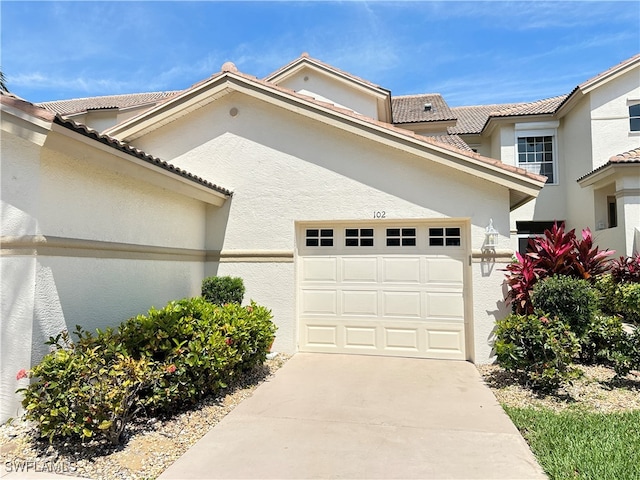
68	141
597	81
162	113
293	68
604	173
493	122
24	125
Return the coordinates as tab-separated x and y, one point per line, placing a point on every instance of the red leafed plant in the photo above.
523	275
626	269
557	253
590	260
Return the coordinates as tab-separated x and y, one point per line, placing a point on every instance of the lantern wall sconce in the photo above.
490	237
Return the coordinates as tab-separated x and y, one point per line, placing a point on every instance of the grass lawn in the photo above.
577	444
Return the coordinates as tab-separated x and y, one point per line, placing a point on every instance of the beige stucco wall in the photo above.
47	193
284	167
610	117
327	88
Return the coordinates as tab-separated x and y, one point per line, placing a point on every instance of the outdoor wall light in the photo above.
490	236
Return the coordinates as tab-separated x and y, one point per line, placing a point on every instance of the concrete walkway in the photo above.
357	417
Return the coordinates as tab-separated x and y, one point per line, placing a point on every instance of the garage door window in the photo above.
444	237
405	237
319	237
358	237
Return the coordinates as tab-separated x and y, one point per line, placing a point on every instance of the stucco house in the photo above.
368	223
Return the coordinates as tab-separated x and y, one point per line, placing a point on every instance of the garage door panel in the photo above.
319	302
361	337
402	339
359	269
360	302
401	304
321	335
401	270
445	271
445	304
320	269
444	342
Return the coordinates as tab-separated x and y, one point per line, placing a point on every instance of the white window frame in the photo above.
632	103
537	130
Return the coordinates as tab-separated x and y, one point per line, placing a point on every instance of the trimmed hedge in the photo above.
223	290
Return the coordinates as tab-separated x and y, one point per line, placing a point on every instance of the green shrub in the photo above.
602	339
607	290
629	301
572	300
619	298
84	392
223	290
197	347
540	348
627	355
167	358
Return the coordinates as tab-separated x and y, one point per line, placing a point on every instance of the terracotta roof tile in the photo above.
14	101
39	112
609	71
472	119
77	105
539	107
632	156
411	108
453	140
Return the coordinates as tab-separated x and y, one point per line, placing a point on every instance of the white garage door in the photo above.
382	289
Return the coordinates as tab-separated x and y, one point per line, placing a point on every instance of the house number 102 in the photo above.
379	214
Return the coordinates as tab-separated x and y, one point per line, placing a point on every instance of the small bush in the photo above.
197	347
626	269
572	300
619	298
607	290
540	348
557	253
84	392
627	354
629	301
602	340
223	290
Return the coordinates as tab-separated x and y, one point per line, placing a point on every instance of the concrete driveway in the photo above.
347	416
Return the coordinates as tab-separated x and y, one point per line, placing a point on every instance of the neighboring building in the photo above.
357	217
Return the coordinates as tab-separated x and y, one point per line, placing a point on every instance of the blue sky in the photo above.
471	52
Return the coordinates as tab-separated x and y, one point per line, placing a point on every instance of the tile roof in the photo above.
539	107
77	105
411	108
632	156
609	71
472	119
453	140
39	112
